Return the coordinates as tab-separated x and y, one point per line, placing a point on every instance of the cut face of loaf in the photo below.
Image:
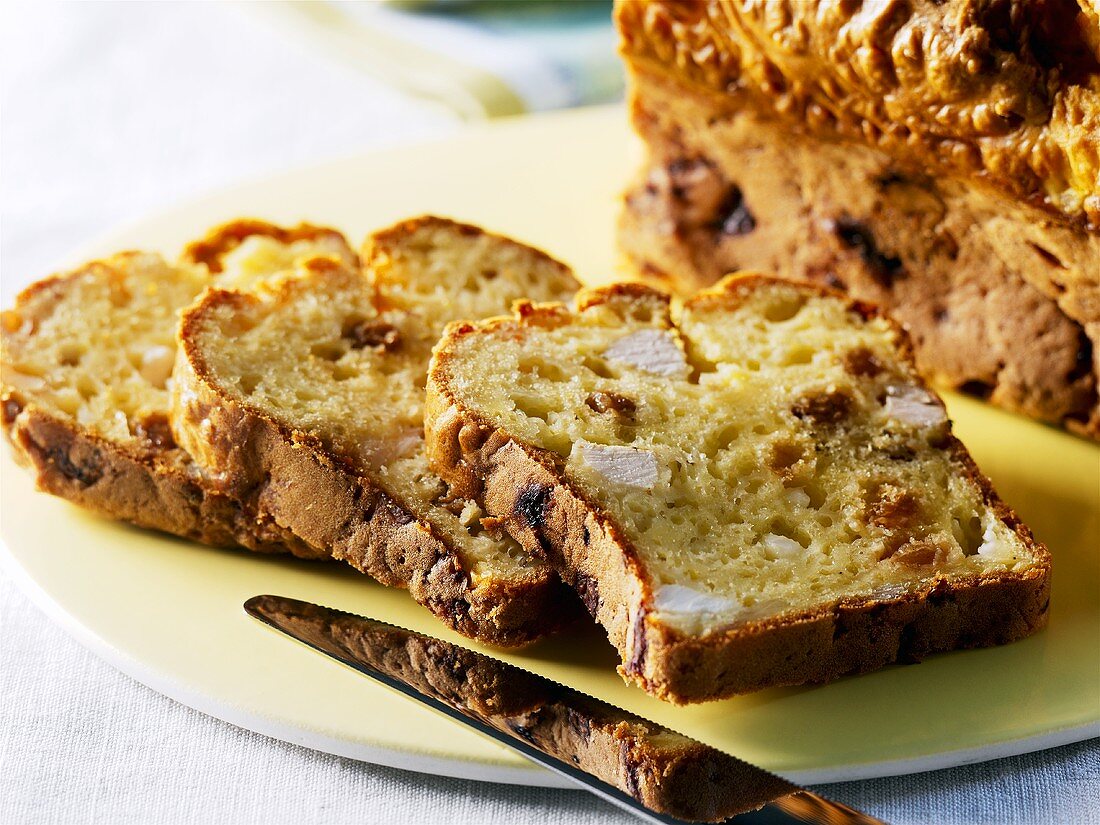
87	361
306	400
764	493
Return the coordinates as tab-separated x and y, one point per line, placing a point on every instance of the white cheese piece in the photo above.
991	547
761	610
889	592
379	453
678	600
914	406
651	350
156	365
797	497
781	547
621	465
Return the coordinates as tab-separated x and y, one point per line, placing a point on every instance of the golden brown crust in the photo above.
526	488
141	488
1005	94
1002	298
381	244
212	248
284	473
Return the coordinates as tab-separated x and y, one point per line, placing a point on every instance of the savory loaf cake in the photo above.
86	367
305	400
763	493
941	159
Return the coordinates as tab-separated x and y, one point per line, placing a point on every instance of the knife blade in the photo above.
656	774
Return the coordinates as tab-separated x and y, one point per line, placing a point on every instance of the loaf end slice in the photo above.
87	363
305	401
762	493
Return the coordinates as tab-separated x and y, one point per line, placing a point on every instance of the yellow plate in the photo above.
169	612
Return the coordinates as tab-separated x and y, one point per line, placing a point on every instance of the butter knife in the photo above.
656	774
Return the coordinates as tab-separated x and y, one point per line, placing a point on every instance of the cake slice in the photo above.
306	400
85	368
763	493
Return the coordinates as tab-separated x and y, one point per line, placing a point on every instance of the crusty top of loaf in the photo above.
1006	92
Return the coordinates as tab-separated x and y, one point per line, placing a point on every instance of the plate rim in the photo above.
470	769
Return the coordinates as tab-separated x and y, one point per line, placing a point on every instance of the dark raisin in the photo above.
630	769
531	504
589	591
784	456
611	403
636	663
884	268
829	407
862	362
374	334
734	217
579	723
892	507
155	430
920	553
10	410
86	474
522	731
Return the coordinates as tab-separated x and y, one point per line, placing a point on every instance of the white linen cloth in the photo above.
108	112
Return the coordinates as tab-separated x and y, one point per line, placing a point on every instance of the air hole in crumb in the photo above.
119	294
532	407
343	372
1047	255
968	533
86	387
784	308
598	366
724	438
784	455
782	527
700	364
327	350
798	355
551	372
249	382
70	355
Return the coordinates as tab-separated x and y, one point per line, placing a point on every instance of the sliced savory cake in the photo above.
762	493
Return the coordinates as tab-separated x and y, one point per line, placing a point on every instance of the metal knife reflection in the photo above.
657	774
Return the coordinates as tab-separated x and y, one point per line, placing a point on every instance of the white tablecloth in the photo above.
109	111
